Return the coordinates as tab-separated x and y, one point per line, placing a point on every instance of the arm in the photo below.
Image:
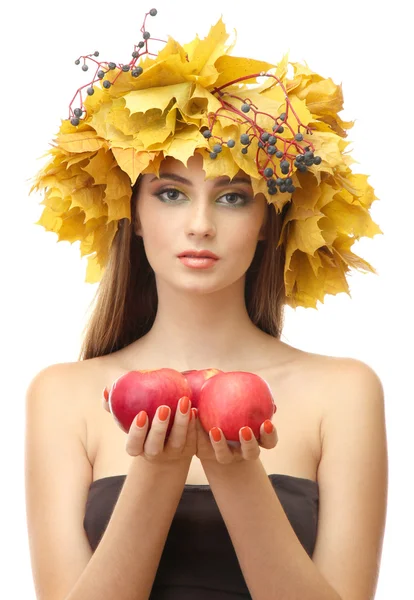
273	561
126	560
57	483
352	477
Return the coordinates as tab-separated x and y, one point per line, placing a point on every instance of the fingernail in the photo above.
246	434
141	419
268	426
215	434
163	413
193	413
105	394
184	404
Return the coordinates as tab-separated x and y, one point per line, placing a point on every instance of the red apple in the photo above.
146	390
196	379
233	400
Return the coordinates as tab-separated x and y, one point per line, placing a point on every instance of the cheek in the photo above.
158	233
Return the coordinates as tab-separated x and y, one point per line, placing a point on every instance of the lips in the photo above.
198	254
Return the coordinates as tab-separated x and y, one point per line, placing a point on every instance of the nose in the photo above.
200	219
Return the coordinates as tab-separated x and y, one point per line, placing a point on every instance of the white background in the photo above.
364	45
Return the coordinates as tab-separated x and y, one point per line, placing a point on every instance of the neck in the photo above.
198	331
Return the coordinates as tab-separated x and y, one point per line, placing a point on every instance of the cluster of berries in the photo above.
267	142
100	73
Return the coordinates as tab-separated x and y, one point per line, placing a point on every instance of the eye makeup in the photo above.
245	198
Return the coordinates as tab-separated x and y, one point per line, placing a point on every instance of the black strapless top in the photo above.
198	560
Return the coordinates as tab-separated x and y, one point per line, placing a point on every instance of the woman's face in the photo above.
181	211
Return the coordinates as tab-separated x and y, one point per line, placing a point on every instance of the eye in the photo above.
168	195
232	198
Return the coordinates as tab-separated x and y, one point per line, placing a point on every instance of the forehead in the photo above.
193	172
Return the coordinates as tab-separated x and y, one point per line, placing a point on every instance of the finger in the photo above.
137	432
154	444
178	435
268	435
223	453
249	447
192	429
105	398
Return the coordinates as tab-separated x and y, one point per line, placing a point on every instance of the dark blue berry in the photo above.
136	72
217	148
96	53
265	136
284	164
244	139
288	180
112	66
75	121
90	91
85	67
141	44
244	150
268	172
279	154
302	168
272	139
153	12
272	191
213	155
207	133
245	108
283	188
106	84
146	35
298	137
78	112
317	160
231	143
291	189
125	68
135	54
271	149
260	144
283	117
77	62
101	74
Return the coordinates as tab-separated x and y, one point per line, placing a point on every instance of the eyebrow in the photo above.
219	182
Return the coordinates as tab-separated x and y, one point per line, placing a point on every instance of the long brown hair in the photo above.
125	303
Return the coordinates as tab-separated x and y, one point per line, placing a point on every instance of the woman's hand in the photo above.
209	449
151	445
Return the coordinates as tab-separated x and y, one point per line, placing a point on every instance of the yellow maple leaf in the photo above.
132	161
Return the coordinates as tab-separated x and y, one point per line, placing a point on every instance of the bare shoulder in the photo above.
68	387
338	383
330	375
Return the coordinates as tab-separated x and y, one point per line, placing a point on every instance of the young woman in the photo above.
299	513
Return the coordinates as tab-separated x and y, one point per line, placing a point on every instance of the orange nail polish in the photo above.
215	434
184	404
268	426
246	434
141	419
